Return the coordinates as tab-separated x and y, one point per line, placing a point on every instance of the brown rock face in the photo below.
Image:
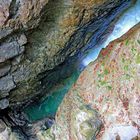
19	14
107	91
38	35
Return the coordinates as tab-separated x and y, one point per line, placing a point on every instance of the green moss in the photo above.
106	72
99	75
103	63
126	68
123	60
134	50
128	76
109	87
138	41
48	134
102	82
127	42
138	58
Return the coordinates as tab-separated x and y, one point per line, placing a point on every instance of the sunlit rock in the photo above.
110	87
41	42
49	105
6	133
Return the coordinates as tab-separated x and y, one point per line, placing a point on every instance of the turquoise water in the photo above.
49	105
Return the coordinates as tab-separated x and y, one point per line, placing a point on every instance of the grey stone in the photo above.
21	50
5	131
6	84
21	74
10	50
3	95
22	40
4	69
17	59
54	31
2	126
5	32
4	103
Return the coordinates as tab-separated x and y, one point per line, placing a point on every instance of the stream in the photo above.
48	106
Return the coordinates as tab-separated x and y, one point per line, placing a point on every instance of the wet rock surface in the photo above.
37	36
40	43
107	87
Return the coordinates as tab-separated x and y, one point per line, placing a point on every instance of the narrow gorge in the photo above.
69	70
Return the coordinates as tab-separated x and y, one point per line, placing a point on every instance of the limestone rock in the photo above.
109	86
37	36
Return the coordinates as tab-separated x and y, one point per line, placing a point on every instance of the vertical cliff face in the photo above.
49	105
41	44
104	102
36	36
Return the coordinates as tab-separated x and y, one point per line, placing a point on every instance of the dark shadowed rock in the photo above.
4	69
4	103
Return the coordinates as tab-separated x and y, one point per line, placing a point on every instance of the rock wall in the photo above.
36	36
104	104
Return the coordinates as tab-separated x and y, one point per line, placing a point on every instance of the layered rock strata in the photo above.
36	36
104	103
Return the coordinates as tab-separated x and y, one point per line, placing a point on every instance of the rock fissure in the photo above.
42	43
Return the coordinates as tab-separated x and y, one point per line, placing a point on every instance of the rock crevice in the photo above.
37	36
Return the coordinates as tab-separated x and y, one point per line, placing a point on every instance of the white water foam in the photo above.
129	19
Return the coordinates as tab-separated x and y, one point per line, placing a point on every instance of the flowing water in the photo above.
48	107
129	19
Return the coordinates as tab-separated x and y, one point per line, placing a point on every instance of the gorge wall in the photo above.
37	36
104	102
42	43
